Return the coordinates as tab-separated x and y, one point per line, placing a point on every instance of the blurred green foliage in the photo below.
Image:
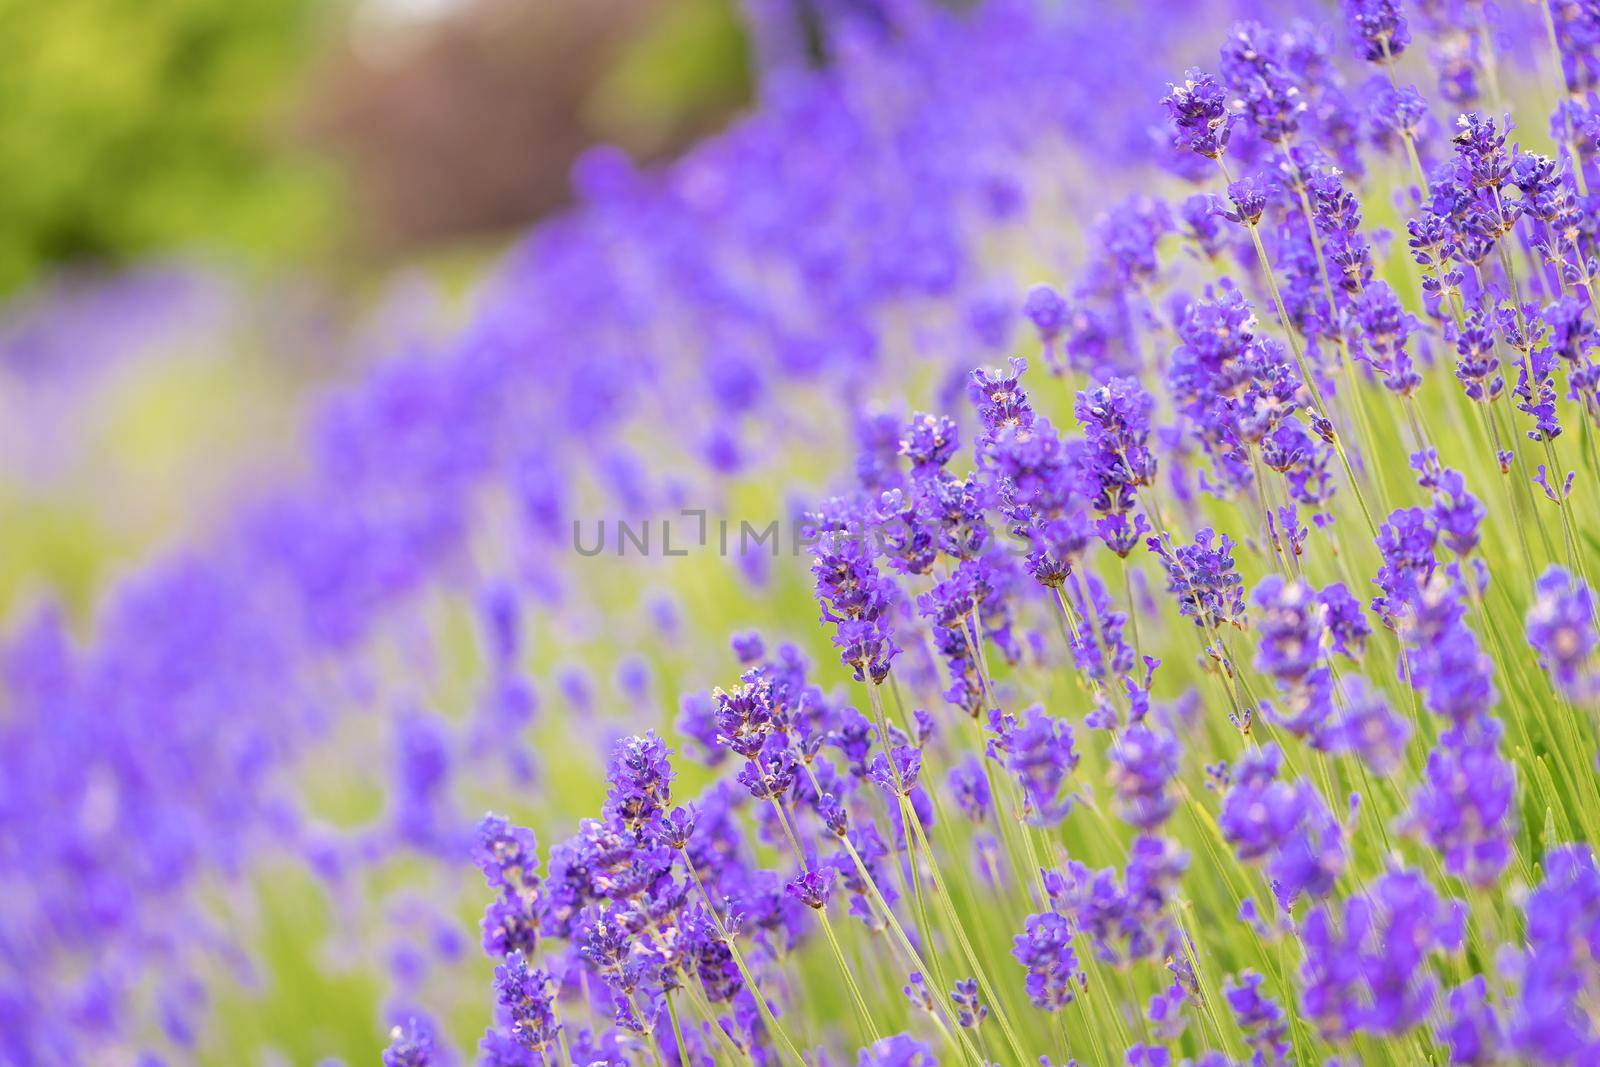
132	125
688	67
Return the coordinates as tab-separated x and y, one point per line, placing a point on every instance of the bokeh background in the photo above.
211	208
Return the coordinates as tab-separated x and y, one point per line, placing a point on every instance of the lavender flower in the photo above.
639	782
1260	1018
855	597
970	1010
1379	29
1200	114
1368	972
1561	629
524	995
1045	950
410	1046
1385	328
1548	1022
1464	808
1143	764
1038	752
1286	826
901	1050
1047	310
1203	578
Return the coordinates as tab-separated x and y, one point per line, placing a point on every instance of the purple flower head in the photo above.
1471	1030
633	679
1536	394
507	855
1143	765
1290	622
638	781
1561	629
508	858
745	717
1129	920
1544	197
748	648
576	690
527	998
1481	151
1203	578
1230	386
853	735
1047	310
928	442
917	992
1038	752
968	783
1199	216
949	607
424	764
1257	69
1549	1023
952	511
1124	243
1407	541
1465	807
1117	462
1044	948
1336	214
1343	621
1139	1055
1380	31
812	887
1366	727
1477	367
1400	112
771	775
901	776
1572	339
1303	460
508	926
1456	513
1286	825
1447	665
1577	28
411	1045
855	597
1385	328
697	721
877	438
1248	200
1266	1030
675	828
502	623
1199	112
1165	1011
970	1009
1370	970
835	815
901	1050
999	397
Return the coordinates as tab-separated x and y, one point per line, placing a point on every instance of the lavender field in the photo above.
1059	533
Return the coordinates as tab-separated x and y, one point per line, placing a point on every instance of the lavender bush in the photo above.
1190	659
